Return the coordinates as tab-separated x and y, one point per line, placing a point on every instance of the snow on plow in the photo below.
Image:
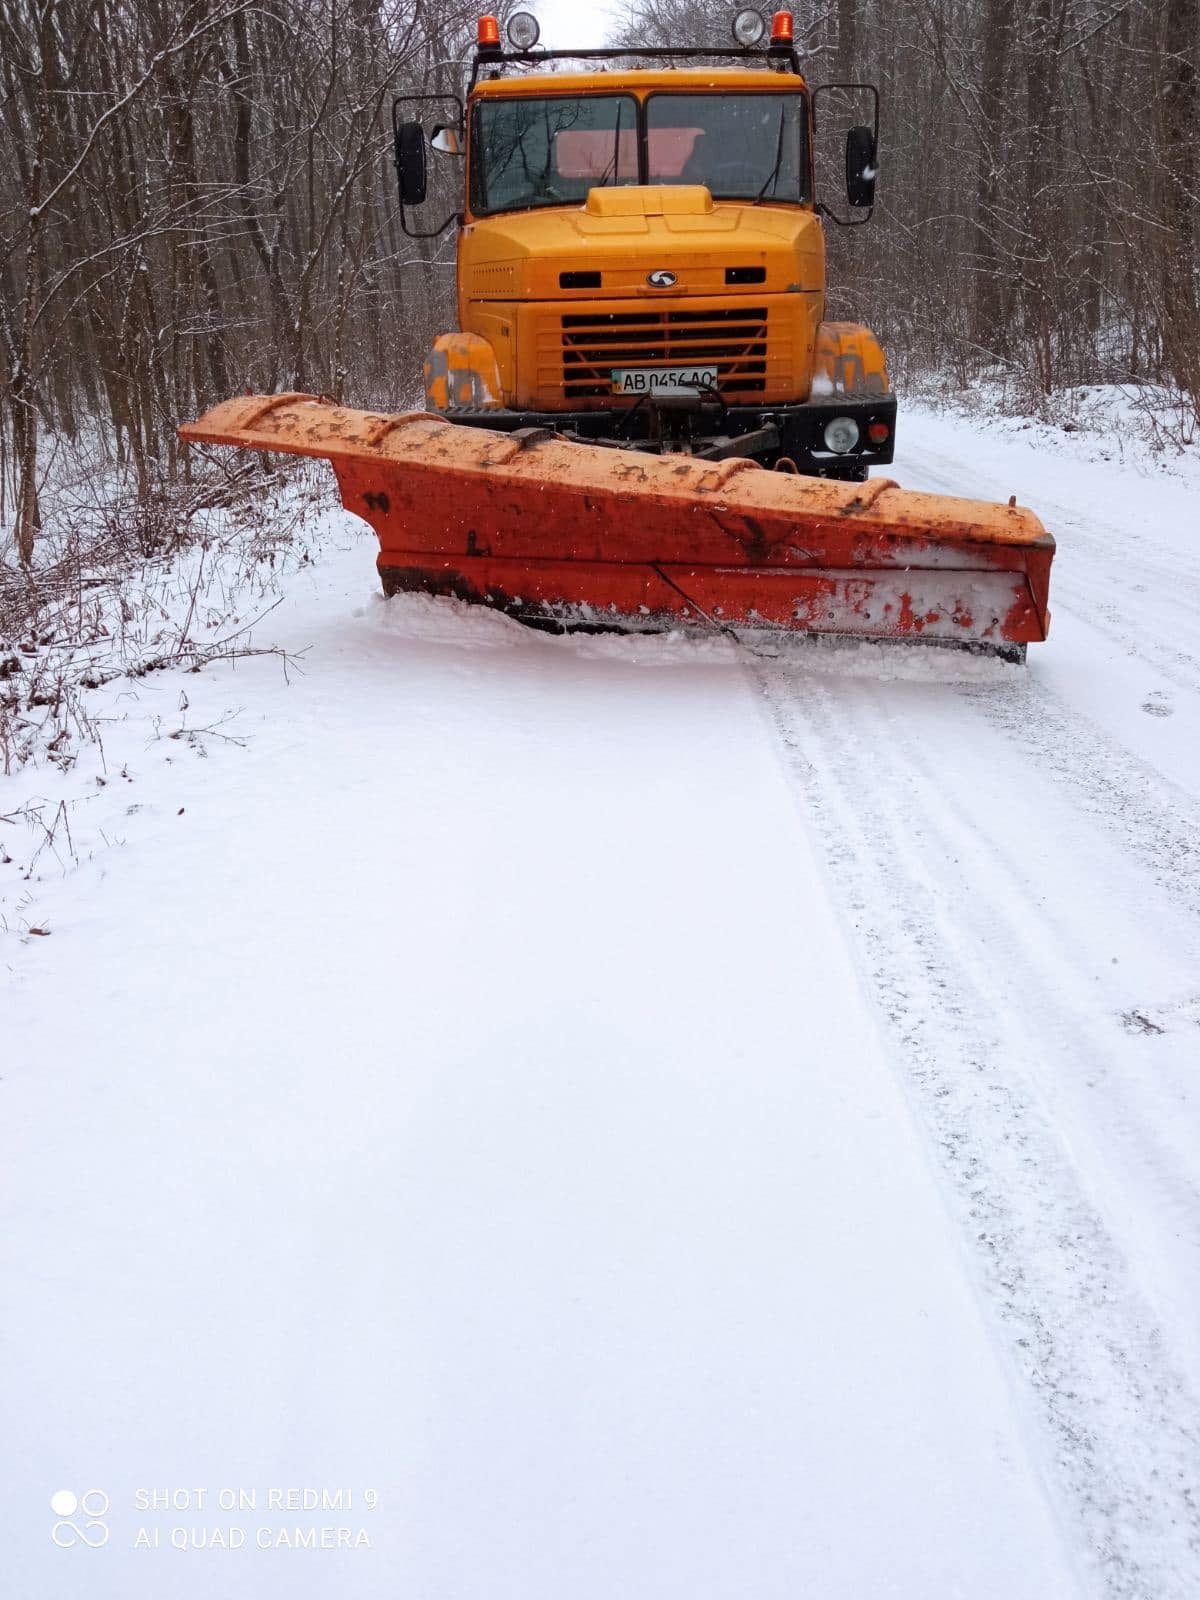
578	535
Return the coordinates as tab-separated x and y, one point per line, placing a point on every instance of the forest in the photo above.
197	198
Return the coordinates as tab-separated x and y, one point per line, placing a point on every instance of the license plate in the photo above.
663	380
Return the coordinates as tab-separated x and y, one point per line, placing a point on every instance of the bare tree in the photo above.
1039	182
196	198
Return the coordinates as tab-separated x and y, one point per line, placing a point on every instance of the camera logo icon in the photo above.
79	1518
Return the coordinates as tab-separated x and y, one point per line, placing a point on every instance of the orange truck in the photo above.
641	258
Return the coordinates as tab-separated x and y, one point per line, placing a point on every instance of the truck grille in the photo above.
734	340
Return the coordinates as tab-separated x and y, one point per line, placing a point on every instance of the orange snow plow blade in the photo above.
582	535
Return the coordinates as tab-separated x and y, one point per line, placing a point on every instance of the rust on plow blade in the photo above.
551	530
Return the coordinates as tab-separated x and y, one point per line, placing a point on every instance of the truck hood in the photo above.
608	247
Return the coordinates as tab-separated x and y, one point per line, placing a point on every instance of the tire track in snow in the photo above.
1112	612
1151	820
1046	941
1124	1429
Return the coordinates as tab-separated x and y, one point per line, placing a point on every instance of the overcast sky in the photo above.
568	24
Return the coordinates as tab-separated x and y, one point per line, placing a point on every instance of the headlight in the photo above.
841	435
523	30
748	28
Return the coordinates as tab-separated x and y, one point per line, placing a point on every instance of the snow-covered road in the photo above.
634	1117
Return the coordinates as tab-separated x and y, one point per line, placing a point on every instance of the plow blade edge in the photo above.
551	530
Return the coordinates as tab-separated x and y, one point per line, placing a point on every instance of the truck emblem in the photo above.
662	279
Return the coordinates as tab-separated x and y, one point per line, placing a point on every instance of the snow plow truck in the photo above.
643	420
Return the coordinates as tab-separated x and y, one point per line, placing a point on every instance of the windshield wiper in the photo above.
773	176
611	169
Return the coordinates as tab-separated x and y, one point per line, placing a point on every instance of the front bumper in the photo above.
801	429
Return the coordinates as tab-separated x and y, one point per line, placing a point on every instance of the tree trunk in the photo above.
1181	324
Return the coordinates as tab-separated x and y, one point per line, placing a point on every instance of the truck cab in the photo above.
641	258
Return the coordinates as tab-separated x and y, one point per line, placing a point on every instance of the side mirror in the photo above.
447	141
410	163
860	167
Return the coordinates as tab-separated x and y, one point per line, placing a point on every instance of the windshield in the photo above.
552	150
739	146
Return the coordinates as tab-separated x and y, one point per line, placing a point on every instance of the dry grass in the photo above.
124	587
